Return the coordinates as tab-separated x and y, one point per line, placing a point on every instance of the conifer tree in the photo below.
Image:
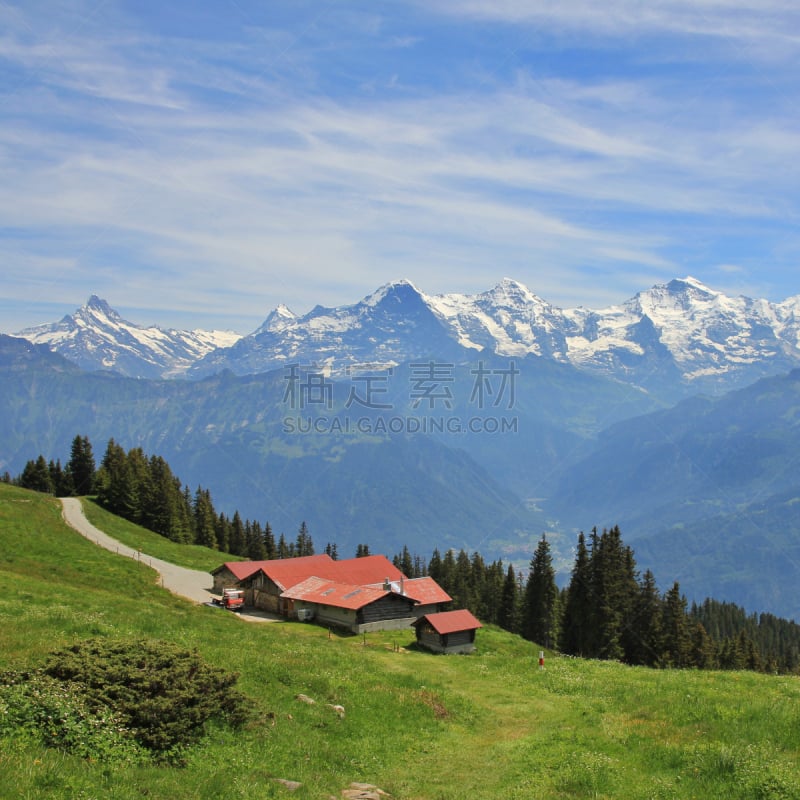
420	567
614	590
204	519
463	590
304	545
332	551
404	562
81	465
238	541
578	617
677	637
362	551
61	479
435	567
490	592
540	606
161	504
36	476
701	654
140	474
255	541
223	532
507	616
270	549
647	640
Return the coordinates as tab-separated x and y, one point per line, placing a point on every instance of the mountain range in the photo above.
675	415
672	340
96	337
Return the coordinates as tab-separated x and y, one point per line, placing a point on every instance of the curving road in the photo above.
189	583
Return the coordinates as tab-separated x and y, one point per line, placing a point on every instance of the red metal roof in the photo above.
451	621
240	569
288	572
280	569
330	593
362	571
424	591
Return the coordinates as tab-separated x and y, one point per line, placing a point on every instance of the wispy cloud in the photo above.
264	162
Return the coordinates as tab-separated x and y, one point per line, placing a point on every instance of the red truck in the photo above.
232	599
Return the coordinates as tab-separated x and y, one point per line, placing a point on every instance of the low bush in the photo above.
121	700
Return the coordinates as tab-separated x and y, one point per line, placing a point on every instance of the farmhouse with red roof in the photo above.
358	594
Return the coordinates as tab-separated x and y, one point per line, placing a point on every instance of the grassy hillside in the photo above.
419	726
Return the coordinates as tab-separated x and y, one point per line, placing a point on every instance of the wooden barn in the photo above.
427	594
232	573
358	594
264	587
448	631
350	607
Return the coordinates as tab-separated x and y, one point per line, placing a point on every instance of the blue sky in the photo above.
198	163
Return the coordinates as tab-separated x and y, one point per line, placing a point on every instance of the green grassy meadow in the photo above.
419	726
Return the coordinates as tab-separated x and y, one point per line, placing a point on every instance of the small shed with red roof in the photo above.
448	631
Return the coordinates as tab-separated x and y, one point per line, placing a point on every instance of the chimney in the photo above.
387	587
402	585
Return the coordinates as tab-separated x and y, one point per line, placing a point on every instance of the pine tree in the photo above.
161	504
362	551
61	479
270	550
614	590
491	592
255	541
647	647
463	591
304	545
404	562
113	482
677	637
435	567
36	476
578	618
223	532
332	551
540	606
204	518
238	541
142	492
81	465
507	617
701	654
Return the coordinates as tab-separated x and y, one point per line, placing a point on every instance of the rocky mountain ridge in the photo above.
673	339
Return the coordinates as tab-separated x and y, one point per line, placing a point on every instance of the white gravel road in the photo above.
189	583
192	584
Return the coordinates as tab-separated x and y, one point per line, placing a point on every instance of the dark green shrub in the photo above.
96	695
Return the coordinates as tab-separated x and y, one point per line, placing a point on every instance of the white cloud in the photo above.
141	158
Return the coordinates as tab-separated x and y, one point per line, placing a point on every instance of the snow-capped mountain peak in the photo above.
676	337
99	306
280	318
95	337
399	291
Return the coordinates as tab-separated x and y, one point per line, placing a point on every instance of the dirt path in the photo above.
192	584
189	583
